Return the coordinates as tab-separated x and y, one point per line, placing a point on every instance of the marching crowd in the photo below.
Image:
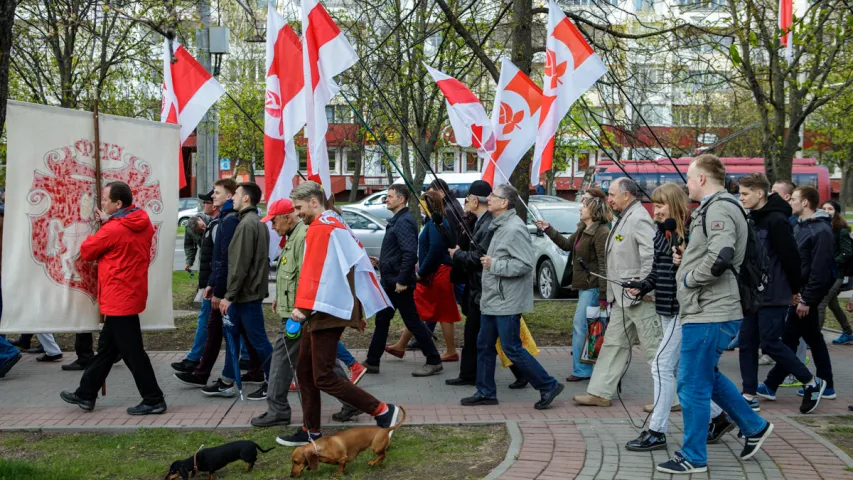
756	273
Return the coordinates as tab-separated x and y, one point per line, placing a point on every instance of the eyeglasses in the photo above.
493	194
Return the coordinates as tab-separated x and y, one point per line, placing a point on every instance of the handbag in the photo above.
596	325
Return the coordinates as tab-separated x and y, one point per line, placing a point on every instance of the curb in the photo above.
819	439
511	453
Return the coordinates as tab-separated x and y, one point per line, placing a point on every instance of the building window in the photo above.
344	114
472	162
448	162
330	113
333	164
303	160
351	160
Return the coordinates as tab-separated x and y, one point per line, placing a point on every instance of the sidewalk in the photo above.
566	441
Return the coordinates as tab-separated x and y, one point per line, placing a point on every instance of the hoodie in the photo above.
817	264
772	224
122	248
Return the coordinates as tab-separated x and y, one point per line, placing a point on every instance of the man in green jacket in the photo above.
248	277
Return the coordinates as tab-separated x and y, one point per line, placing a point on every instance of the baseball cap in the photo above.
480	188
278	207
206	197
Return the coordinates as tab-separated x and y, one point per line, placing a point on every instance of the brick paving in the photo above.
567	441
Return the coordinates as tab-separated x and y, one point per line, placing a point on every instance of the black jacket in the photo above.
454	214
469	260
773	226
228	222
399	251
205	259
818	270
843	251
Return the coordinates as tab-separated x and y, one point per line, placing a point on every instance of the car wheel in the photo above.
546	280
184	222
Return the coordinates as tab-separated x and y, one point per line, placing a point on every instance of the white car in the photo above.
551	261
374	204
368	228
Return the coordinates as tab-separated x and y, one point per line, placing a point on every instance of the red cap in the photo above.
278	207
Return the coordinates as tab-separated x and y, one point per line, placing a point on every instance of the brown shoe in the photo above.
651	407
591	400
572	378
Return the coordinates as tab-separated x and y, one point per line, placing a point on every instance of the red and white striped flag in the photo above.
571	68
786	23
188	93
471	125
331	251
327	53
284	106
515	119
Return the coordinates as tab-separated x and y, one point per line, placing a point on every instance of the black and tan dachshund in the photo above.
212	459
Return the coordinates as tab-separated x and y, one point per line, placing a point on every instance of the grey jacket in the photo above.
630	250
508	284
703	296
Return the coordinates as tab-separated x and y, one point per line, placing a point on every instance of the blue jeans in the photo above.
508	329
200	332
344	355
586	298
248	318
735	341
7	351
699	381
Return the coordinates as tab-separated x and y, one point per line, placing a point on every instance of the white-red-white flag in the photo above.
188	93
331	251
284	106
515	119
786	23
471	125
571	68
326	53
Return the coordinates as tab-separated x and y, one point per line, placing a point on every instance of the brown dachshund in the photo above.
343	447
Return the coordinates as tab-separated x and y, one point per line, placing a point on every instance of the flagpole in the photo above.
97	152
495	163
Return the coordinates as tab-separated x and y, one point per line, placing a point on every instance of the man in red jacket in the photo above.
122	248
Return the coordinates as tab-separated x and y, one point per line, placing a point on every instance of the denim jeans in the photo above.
663	372
7	351
200	332
248	317
344	355
699	382
765	329
586	298
508	329
735	341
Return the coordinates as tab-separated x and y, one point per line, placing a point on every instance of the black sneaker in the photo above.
477	400
8	364
185	366
220	389
191	379
646	442
679	464
143	409
72	398
299	438
371	369
256	379
517	385
548	397
243	364
456	382
752	444
389	418
347	413
812	396
259	394
718	427
75	366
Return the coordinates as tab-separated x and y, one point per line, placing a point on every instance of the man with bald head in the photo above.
630	252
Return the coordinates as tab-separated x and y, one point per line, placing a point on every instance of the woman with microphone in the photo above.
671	215
588	247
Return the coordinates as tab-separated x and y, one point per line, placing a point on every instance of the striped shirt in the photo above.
662	277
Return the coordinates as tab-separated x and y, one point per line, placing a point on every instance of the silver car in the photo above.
375	205
369	228
551	261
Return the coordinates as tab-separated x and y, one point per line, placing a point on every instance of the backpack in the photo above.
753	278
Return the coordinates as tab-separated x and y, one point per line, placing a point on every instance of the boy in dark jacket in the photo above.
771	216
814	241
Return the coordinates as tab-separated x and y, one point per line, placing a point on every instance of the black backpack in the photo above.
753	278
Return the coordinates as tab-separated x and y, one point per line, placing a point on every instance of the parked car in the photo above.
369	228
551	261
375	205
546	199
185	215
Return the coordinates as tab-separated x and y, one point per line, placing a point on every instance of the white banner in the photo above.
50	200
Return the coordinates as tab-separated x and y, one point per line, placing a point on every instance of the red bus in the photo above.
649	174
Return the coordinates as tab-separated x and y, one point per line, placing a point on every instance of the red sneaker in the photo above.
356	371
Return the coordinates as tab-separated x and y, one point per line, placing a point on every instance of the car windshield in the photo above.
565	220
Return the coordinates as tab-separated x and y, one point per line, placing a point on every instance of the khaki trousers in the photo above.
627	325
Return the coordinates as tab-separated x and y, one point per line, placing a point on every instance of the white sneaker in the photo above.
766	360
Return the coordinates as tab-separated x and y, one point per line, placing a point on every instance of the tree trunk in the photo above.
522	57
356	174
7	19
846	197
